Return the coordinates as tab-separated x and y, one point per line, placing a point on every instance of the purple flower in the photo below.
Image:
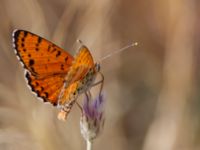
92	119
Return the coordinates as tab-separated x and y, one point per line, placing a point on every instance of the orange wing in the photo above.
46	64
39	56
47	88
83	64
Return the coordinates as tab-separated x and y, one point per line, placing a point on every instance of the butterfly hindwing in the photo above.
39	56
46	88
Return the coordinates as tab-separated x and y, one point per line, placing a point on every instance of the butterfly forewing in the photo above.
39	56
83	62
46	64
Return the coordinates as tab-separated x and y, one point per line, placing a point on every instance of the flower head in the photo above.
92	119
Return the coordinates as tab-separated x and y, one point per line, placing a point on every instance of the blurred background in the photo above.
152	90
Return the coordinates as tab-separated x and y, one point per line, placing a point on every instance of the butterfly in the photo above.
52	73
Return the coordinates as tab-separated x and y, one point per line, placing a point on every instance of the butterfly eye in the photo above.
79	89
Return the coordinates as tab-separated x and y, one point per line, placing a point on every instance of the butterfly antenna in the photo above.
118	51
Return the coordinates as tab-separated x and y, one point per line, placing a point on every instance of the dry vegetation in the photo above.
152	90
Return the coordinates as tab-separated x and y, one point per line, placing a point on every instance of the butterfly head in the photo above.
97	67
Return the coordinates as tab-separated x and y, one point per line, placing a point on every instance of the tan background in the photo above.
152	91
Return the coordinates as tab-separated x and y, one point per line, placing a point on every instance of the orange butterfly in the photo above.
52	73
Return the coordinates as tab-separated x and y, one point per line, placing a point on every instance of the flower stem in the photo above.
89	145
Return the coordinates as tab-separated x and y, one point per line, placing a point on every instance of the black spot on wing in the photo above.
58	53
49	47
42	88
39	40
66	58
62	67
36	83
25	34
31	62
46	94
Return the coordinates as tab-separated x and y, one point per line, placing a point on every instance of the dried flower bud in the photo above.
92	119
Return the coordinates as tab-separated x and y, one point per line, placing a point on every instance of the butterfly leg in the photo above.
88	94
79	106
99	82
